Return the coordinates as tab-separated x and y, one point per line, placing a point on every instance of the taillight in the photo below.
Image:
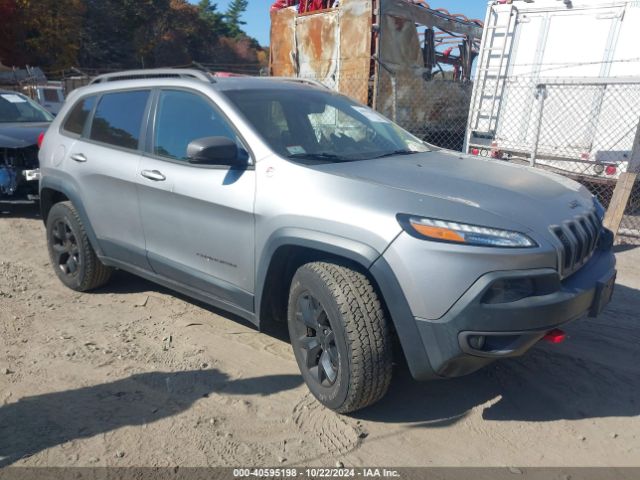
611	170
475	151
40	139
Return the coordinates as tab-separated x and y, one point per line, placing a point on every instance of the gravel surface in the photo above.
133	375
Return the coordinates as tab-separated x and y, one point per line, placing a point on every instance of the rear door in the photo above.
198	220
104	160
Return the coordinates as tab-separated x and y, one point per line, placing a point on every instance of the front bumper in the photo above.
510	329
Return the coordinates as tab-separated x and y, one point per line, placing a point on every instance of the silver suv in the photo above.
280	200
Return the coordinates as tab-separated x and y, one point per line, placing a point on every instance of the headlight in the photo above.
453	232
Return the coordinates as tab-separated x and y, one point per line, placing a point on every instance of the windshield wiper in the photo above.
318	156
396	152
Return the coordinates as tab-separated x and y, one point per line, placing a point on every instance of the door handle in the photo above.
79	157
154	175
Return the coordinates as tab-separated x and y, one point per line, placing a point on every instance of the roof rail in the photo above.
308	81
153	73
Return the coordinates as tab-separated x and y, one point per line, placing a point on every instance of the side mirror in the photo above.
213	151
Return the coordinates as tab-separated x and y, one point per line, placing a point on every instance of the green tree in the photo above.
10	34
50	29
121	34
107	35
214	20
233	17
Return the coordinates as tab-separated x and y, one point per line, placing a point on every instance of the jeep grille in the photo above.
578	239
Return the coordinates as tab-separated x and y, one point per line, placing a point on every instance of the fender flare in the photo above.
71	192
375	265
360	253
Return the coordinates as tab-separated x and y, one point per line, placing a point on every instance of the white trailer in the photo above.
558	84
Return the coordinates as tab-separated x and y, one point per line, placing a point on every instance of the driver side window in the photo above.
183	117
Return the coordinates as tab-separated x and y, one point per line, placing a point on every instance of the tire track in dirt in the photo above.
337	435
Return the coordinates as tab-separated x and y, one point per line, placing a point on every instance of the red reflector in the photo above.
611	169
555	336
475	151
40	139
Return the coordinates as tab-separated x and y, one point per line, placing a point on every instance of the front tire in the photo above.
71	254
340	336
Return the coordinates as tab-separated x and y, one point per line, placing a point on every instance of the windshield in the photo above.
16	108
322	126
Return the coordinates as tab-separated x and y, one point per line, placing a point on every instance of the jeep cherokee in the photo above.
279	199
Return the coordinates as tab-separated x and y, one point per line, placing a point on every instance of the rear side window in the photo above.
78	117
118	118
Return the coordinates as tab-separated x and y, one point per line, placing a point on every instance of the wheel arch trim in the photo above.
358	252
71	192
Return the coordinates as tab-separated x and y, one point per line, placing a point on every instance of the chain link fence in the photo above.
435	110
579	129
629	231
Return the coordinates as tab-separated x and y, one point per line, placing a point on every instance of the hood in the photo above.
20	135
524	195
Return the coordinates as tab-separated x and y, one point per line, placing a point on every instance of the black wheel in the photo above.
340	336
72	256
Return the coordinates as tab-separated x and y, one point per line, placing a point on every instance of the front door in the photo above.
198	220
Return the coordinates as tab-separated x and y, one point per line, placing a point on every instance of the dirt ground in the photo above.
133	375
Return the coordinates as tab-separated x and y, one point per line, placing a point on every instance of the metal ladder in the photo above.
486	103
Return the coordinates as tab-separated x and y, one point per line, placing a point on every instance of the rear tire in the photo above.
340	336
71	254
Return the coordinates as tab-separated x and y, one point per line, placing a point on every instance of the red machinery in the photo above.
303	5
311	5
280	4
